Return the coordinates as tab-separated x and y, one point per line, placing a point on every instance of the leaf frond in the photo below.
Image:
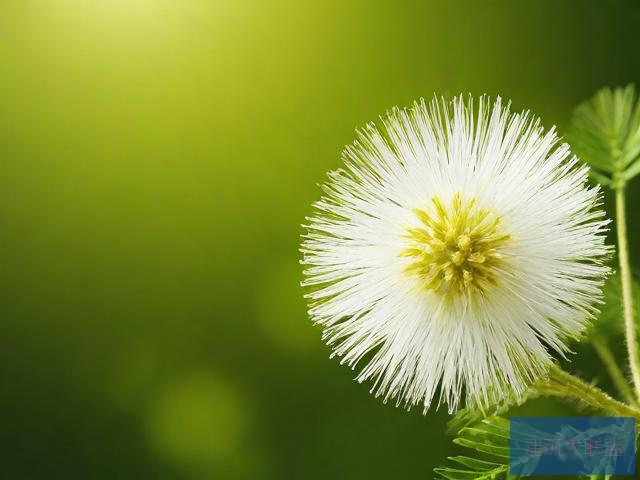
605	133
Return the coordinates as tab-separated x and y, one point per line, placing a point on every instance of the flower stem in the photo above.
627	294
562	384
609	361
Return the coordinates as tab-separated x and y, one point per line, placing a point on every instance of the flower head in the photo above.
458	249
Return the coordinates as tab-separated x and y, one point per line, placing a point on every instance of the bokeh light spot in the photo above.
200	421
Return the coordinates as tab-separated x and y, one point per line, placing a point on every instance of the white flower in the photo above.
459	248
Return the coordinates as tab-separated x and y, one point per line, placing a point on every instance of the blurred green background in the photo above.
156	161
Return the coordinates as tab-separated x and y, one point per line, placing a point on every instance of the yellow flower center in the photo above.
457	248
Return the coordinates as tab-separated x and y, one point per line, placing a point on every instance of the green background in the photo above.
156	161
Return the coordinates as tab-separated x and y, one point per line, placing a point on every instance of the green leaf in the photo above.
600	178
475	464
489	438
609	323
480	446
605	132
632	170
469	415
456	474
529	466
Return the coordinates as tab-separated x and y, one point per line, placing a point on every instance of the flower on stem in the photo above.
458	248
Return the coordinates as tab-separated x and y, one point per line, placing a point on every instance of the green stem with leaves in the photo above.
627	294
562	384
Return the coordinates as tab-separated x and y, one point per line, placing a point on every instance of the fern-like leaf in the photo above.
489	438
466	416
605	132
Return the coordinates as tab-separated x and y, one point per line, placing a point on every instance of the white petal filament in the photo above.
457	249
